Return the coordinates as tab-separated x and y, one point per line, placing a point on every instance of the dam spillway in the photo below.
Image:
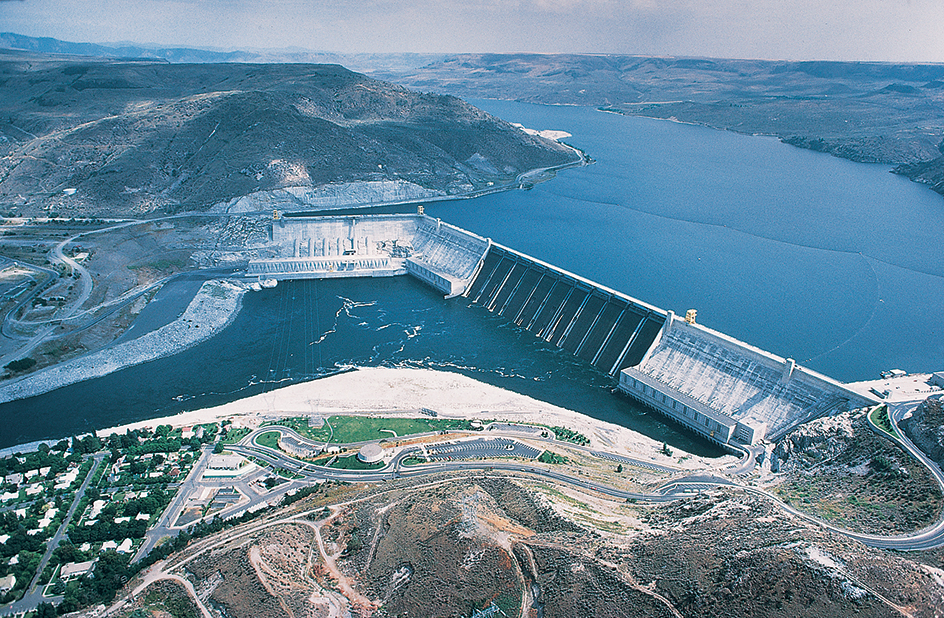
723	389
609	330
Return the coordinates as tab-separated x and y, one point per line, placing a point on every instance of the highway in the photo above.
85	290
394	470
673	490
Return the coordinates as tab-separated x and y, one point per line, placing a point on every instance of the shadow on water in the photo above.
302	330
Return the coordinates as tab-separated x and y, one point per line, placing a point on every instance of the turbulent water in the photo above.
302	330
829	262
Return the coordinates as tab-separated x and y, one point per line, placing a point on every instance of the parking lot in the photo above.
481	448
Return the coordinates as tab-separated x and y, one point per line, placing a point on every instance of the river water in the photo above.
832	263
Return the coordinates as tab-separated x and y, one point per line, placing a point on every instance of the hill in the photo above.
462	546
98	137
864	111
360	62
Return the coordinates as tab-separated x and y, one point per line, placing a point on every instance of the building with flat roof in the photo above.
299	448
76	569
370	453
225	462
727	390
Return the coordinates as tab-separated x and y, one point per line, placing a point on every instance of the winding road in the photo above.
928	538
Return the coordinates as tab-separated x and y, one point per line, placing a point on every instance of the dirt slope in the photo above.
146	137
454	546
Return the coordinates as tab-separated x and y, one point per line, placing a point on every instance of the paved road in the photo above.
85	289
163	526
930	537
9	318
489	429
86	284
395	470
925	539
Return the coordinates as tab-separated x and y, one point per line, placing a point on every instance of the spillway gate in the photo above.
607	329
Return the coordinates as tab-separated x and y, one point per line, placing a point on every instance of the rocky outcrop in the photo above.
330	196
822	439
839	469
925	427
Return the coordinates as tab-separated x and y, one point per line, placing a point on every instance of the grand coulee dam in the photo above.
723	389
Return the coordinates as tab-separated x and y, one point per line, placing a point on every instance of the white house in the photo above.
76	569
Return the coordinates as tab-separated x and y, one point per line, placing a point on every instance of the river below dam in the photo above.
835	264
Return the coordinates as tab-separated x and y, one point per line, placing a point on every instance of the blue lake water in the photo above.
832	263
838	265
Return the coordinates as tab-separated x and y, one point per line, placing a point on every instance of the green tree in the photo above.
20	365
45	610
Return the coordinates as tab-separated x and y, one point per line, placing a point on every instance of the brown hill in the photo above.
461	546
146	137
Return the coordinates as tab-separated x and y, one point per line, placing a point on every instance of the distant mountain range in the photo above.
873	112
864	111
132	51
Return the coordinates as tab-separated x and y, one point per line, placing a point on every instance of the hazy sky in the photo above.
895	30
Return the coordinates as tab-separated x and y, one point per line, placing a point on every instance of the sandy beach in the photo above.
402	392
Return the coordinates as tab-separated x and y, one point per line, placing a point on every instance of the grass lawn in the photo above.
235	435
348	429
351	462
269	438
879	416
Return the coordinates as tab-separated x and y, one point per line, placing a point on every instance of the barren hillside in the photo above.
99	137
461	545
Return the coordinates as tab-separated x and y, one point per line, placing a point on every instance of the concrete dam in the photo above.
723	389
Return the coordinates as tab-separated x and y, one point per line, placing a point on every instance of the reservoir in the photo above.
829	262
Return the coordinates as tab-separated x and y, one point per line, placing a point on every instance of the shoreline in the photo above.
212	309
383	391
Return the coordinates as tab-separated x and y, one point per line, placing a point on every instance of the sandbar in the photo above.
386	391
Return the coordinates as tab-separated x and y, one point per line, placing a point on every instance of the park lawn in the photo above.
347	429
269	439
351	462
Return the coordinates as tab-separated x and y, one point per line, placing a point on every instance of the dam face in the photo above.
723	389
607	329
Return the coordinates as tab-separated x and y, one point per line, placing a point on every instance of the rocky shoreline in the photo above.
213	308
